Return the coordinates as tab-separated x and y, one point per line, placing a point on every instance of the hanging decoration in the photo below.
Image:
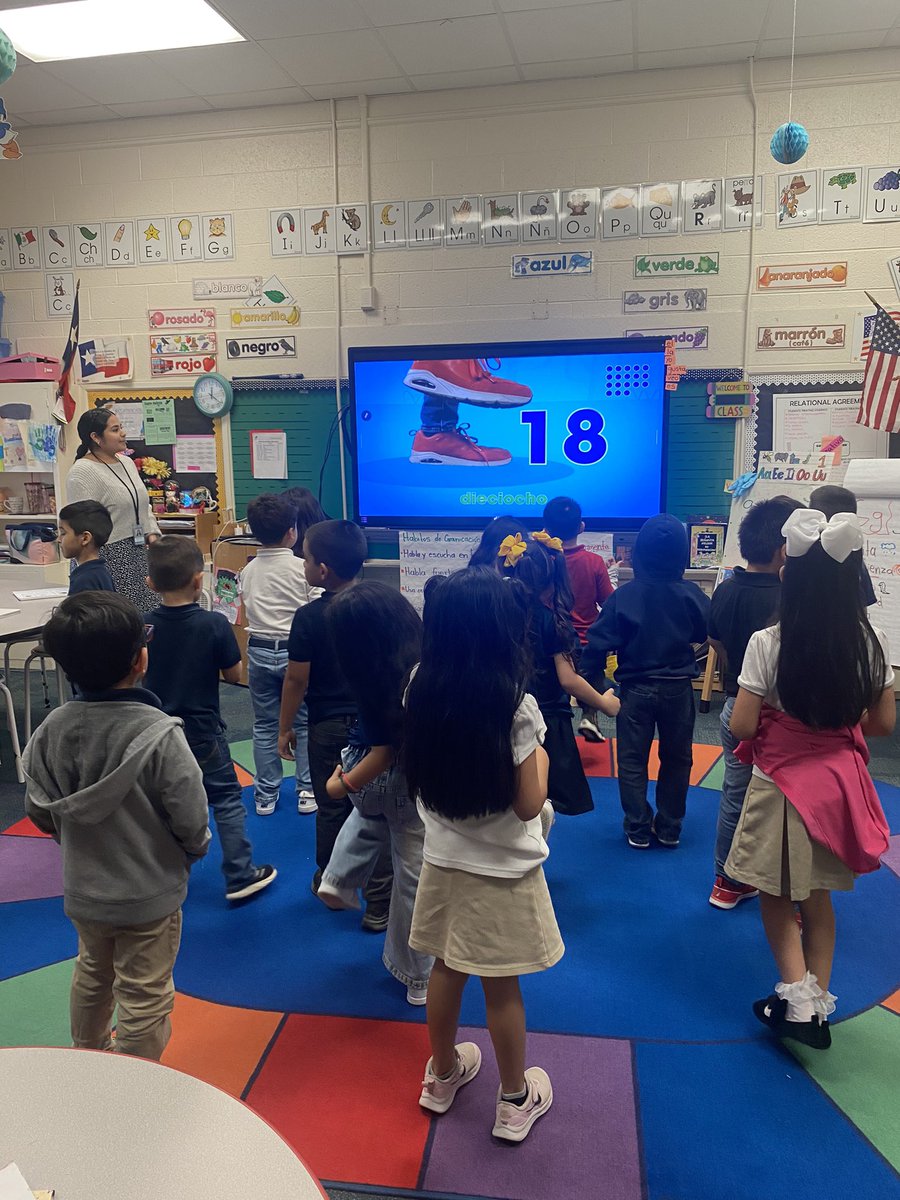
9	143
790	141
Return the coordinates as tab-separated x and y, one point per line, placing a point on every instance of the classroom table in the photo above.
24	625
98	1126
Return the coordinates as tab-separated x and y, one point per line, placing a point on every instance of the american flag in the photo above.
64	409
879	405
861	352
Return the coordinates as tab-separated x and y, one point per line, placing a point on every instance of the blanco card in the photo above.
284	232
26	248
463	225
389	225
60	289
840	194
318	230
659	208
798	198
352	228
152	240
424	223
56	247
118	237
217	230
540	215
185	238
701	205
88	243
578	213
742	198
500	219
881	199
620	210
5	252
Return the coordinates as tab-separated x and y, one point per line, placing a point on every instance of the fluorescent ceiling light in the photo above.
92	28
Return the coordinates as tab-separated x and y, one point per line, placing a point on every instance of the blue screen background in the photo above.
626	388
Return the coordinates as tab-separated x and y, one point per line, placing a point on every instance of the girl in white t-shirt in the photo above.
809	688
475	761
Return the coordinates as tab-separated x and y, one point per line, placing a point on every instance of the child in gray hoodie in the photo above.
112	779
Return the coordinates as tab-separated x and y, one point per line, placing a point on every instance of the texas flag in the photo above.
101	360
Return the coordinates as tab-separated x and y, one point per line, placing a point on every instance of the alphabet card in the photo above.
218	236
840	196
88	243
318	230
701	205
152	240
424	224
60	290
741	199
539	216
118	237
798	198
463	227
26	249
389	224
659	209
882	194
5	252
578	213
500	219
185	238
352	228
56	247
284	232
619	208
271	293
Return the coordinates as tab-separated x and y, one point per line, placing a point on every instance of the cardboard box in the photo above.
234	556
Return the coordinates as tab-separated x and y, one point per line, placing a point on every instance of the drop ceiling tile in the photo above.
332	57
700	57
549	35
262	19
34	89
359	87
236	67
161	108
663	25
403	12
829	16
825	43
579	68
71	116
288	95
469	43
119	78
439	81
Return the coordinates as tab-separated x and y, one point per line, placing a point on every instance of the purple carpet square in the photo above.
30	869
891	856
585	1146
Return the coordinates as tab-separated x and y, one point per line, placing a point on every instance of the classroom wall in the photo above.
625	128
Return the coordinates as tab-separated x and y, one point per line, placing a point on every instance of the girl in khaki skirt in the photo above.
809	688
475	761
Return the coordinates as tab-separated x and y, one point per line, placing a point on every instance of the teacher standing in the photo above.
102	472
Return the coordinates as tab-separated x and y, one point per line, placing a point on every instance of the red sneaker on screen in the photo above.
456	448
726	894
468	380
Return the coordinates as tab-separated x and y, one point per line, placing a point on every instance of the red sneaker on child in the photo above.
726	894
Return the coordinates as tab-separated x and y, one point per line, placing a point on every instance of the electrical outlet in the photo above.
540	310
368	299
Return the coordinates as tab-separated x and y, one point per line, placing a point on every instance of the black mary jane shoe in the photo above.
772	1012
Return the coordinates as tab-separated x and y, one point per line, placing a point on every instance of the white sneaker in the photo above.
514	1121
438	1094
306	802
416	996
338	898
548	816
265	808
590	730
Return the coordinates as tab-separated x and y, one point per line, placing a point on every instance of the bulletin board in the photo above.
189	422
701	451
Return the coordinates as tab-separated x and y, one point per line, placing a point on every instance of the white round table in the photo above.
98	1126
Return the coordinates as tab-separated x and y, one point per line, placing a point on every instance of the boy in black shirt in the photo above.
830	499
333	555
187	650
84	529
740	606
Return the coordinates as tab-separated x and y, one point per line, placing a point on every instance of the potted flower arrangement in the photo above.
154	472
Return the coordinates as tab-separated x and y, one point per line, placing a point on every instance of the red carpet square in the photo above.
24	828
597	758
317	1086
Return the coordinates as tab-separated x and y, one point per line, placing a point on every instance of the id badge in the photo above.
139	538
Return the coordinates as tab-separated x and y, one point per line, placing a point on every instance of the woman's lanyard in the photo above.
126	483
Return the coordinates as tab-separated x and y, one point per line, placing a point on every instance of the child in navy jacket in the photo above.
652	624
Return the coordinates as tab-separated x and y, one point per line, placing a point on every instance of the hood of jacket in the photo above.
660	550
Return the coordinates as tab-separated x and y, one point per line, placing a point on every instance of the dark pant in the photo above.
440	414
226	803
666	705
326	741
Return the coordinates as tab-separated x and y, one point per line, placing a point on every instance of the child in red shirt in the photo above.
588	579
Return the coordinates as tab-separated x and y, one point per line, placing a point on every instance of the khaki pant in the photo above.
130	968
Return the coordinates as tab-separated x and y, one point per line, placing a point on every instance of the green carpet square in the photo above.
242	754
34	1007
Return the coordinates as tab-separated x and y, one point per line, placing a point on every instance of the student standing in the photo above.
84	529
111	778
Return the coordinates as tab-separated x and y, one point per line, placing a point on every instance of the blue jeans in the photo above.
388	827
266	669
666	705
440	414
734	788
226	802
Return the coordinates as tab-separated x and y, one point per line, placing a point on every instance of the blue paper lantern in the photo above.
7	57
790	142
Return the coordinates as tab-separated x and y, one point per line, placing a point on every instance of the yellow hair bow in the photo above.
552	543
511	549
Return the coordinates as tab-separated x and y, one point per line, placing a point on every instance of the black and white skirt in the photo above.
128	566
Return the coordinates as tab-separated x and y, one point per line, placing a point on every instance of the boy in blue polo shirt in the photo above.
188	649
84	529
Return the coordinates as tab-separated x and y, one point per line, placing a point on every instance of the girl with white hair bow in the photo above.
809	688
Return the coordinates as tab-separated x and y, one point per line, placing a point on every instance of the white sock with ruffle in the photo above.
823	1002
800	997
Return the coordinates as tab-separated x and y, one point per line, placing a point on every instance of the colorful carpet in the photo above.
665	1086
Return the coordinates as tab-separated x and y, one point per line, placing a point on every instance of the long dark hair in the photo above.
541	578
95	420
309	512
485	553
462	700
377	635
830	664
